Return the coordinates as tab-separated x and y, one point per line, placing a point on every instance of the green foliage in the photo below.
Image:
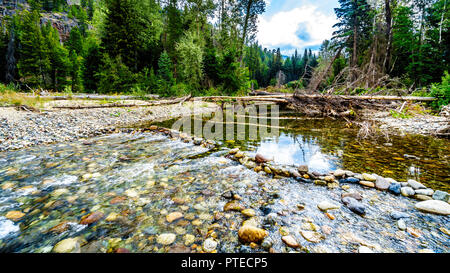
441	91
190	56
115	76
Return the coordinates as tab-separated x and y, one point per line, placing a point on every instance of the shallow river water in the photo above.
135	182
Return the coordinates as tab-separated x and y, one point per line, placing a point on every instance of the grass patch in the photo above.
10	97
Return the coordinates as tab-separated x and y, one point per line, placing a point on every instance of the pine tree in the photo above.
354	27
58	58
165	76
33	63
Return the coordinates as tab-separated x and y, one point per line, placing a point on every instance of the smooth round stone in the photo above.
441	195
131	193
428	192
112	217
407	191
325	205
352	180
173	216
239	154
401	224
399	215
329	178
14	215
434	206
59	192
382	184
422	197
290	241
248	233
267	243
415	185
166	238
369	177
209	245
367	183
354	205
248	212
70	245
395	187
339	173
233	151
311	236
189	239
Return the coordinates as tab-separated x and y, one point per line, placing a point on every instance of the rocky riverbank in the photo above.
421	124
20	129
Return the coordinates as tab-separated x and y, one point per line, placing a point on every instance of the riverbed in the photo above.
149	192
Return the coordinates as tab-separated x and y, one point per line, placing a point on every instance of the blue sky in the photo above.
296	24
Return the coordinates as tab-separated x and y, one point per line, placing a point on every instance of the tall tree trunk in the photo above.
388	55
442	21
244	32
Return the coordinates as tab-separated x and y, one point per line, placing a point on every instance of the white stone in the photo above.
364	249
434	206
166	238
415	185
325	205
209	245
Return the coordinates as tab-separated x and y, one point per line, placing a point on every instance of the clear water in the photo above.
152	176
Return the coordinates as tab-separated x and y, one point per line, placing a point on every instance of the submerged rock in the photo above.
399	215
173	216
395	187
290	241
434	206
14	215
249	233
91	218
166	238
354	205
312	236
325	205
70	245
209	245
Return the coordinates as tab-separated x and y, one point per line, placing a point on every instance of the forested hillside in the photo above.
176	47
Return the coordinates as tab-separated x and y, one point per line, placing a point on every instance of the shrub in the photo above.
441	91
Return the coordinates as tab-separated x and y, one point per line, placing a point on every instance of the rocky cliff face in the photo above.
59	20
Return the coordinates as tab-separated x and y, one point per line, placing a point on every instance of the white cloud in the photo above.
280	30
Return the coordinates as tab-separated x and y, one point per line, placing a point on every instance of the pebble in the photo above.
407	191
354	205
415	185
355	195
399	215
189	239
395	187
367	183
209	245
260	158
401	224
91	218
166	238
369	177
249	233
382	183
352	180
14	215
325	205
434	206
290	241
339	173
248	212
311	236
173	216
303	168
70	245
441	196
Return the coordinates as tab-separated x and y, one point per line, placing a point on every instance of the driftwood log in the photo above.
114	105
